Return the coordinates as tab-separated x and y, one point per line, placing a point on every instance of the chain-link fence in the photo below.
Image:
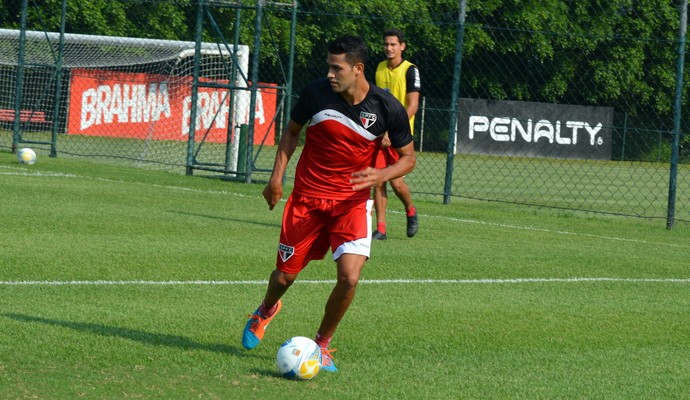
564	104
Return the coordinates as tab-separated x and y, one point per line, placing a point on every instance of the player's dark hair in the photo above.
395	32
353	47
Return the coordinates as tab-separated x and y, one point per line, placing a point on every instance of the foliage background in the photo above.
620	53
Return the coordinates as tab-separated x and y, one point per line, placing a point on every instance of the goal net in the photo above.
128	98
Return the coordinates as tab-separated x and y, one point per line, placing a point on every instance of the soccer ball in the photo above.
26	156
299	358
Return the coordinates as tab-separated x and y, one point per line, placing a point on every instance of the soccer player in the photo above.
401	78
330	205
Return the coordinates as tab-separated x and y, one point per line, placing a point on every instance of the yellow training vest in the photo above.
394	82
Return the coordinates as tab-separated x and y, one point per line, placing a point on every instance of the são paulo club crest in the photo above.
368	119
285	251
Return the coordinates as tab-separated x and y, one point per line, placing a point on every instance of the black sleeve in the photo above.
412	80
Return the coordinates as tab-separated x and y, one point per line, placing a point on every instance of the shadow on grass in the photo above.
156	339
243	221
266	373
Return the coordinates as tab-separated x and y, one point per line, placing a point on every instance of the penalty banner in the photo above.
530	129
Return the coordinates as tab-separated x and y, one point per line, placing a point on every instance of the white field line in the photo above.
328	281
531	228
40	174
23	172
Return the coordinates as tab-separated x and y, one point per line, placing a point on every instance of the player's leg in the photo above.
380	204
278	284
351	246
402	191
385	157
302	239
255	328
349	269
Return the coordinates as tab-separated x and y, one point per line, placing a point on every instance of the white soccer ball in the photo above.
26	156
299	358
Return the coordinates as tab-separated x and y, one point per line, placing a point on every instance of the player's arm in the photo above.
412	101
404	165
413	87
374	176
273	191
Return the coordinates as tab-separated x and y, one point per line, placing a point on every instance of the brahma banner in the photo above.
158	107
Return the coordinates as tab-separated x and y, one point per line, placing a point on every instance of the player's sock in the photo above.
412	211
381	227
267	312
322	341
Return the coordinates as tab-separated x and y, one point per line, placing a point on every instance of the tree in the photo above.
131	18
618	53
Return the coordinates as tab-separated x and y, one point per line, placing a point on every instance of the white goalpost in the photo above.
133	93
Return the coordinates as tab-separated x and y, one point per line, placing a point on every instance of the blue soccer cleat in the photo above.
256	327
327	360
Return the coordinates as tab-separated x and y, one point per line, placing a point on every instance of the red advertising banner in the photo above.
158	107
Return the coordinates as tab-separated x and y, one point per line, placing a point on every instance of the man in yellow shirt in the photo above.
401	78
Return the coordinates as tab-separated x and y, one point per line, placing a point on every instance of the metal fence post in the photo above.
58	81
195	87
453	120
16	136
675	142
254	88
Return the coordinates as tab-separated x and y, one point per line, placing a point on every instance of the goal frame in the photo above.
239	162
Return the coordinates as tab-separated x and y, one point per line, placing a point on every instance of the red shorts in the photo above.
311	225
386	156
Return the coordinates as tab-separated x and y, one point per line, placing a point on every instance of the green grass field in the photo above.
118	282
